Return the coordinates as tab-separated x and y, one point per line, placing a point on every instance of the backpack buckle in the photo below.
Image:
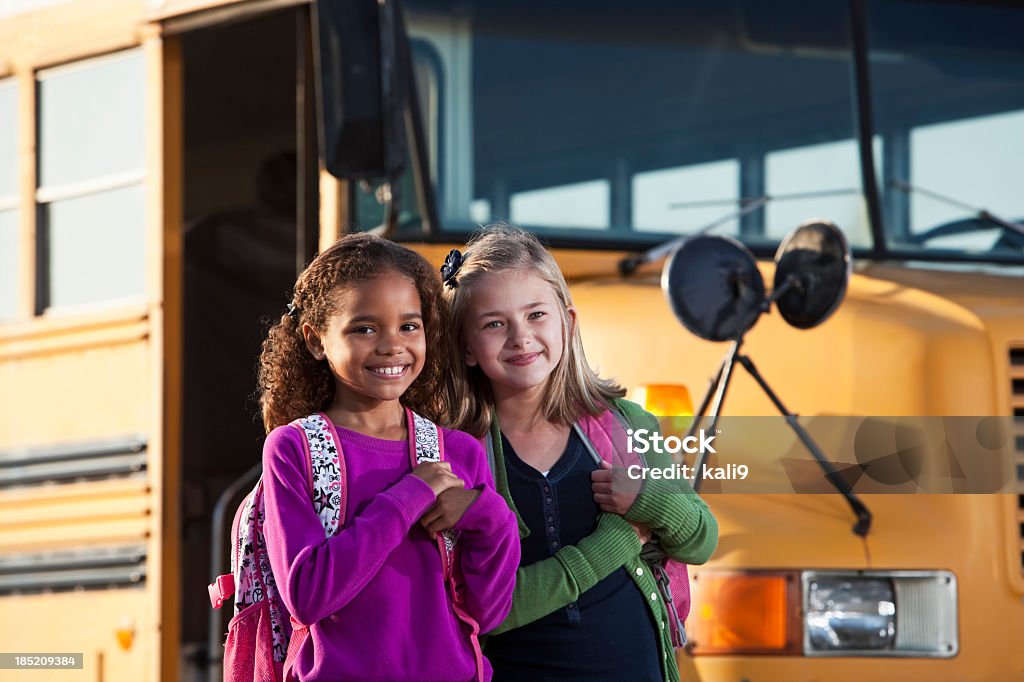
220	589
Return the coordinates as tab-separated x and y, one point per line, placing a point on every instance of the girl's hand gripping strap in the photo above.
426	444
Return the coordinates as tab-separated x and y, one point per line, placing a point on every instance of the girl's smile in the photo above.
390	372
524	359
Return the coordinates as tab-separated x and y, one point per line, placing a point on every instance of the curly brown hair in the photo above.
292	383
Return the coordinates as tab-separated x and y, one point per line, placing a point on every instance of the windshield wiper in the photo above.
629	264
980	213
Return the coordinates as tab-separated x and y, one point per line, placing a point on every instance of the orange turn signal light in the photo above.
745	612
671	403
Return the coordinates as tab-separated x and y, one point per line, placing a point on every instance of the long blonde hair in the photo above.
573	389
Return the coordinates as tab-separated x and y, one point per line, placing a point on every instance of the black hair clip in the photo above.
451	266
292	311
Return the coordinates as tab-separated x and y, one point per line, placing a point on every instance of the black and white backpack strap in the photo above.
244	563
428	442
327	467
428	449
254	580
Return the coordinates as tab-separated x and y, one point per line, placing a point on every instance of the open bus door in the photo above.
249	207
242	256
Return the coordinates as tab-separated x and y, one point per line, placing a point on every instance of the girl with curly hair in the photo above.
375	600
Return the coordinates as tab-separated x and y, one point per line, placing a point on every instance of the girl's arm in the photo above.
685	527
548	585
488	537
317	576
542	587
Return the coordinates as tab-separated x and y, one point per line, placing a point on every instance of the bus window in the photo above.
91	193
600	122
8	200
705	191
817	180
999	140
580	204
949	105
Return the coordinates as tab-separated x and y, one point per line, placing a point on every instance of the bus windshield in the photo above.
948	97
627	124
621	125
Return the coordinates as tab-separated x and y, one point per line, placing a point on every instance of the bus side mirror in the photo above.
360	58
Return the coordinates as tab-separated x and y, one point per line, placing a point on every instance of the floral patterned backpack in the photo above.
261	636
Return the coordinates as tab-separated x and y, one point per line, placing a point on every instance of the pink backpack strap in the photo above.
426	444
223	587
608	435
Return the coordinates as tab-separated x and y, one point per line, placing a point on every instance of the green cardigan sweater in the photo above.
684	525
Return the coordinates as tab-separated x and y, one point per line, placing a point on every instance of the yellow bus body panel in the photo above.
906	342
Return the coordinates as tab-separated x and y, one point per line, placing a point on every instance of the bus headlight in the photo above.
850	613
869	613
880	613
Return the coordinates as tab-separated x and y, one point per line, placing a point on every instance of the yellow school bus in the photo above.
160	185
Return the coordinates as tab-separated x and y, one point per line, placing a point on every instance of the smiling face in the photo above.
513	330
374	342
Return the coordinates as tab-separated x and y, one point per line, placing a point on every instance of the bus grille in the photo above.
1017	405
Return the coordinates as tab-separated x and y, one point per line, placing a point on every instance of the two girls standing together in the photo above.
546	557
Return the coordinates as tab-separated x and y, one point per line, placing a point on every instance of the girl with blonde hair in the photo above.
585	605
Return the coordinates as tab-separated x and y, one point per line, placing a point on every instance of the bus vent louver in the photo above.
72	569
1017	407
107	458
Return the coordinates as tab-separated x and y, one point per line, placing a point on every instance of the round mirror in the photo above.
714	287
814	260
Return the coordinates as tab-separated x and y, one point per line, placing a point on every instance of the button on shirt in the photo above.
608	634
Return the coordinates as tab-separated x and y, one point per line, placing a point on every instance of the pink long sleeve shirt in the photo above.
373	595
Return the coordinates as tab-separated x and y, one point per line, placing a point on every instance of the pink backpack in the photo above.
261	635
600	435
